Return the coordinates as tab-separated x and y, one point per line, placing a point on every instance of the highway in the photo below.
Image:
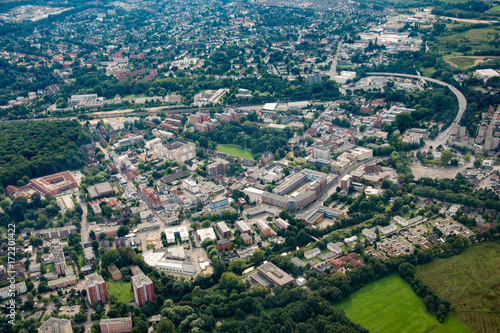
462	104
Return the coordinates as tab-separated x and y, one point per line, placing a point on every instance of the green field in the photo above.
472	285
477	39
389	305
235	151
462	61
50	268
495	9
121	290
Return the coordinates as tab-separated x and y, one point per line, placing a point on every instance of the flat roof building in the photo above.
116	325
269	274
55	325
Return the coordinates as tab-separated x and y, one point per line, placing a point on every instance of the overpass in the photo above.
462	103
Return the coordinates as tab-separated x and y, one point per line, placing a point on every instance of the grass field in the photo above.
462	61
475	38
472	285
495	9
50	268
389	305
121	290
235	151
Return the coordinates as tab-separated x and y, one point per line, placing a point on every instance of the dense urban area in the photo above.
249	166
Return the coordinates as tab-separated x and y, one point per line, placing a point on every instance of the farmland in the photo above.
472	285
235	151
389	305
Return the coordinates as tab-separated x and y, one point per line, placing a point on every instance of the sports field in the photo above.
235	151
471	282
121	290
389	305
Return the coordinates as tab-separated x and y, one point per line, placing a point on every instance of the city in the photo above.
249	166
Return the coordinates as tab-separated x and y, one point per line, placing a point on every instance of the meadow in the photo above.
121	290
390	305
235	151
478	39
472	284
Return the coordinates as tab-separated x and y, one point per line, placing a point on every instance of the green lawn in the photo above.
121	290
472	285
235	151
50	268
389	305
81	260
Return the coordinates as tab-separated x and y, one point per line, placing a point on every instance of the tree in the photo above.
467	157
122	231
286	171
228	281
236	266
477	163
407	270
446	157
18	213
110	258
403	121
165	326
258	257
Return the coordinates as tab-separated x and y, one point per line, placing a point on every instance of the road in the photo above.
462	104
333	67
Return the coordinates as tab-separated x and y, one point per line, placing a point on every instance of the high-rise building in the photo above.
96	289
143	289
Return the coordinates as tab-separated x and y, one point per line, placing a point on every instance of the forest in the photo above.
35	149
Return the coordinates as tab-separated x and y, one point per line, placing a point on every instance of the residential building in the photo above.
246	238
143	289
63	232
220	166
20	288
59	259
263	227
312	253
96	289
243	227
116	325
345	182
223	229
224	244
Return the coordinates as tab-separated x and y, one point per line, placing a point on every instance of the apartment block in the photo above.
96	289
143	289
